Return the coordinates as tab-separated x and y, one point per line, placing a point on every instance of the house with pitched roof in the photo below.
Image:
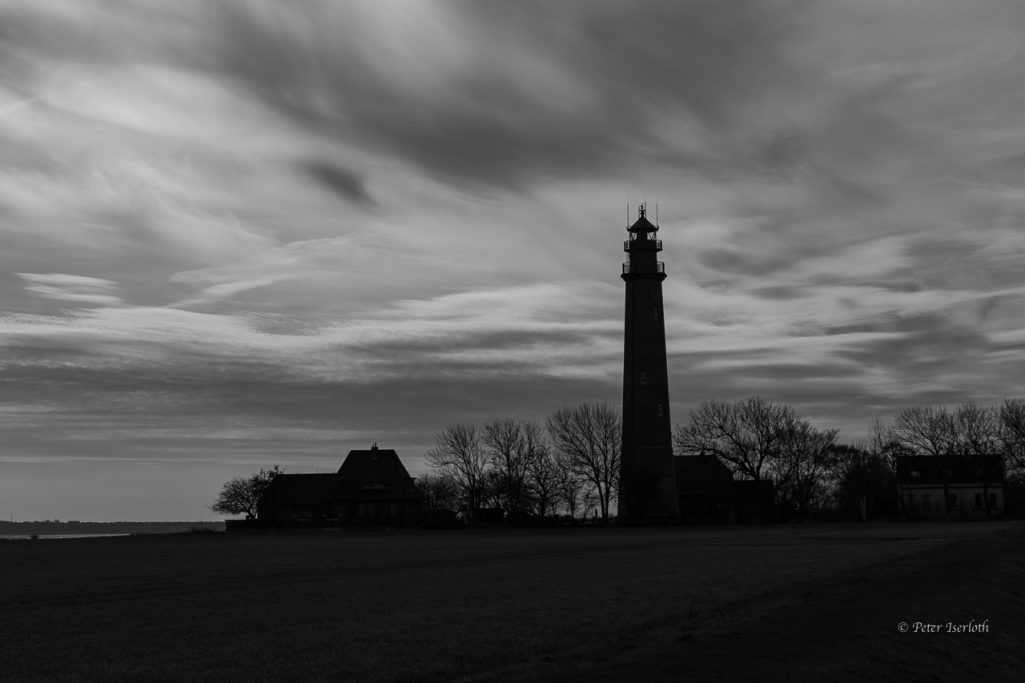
708	493
952	485
371	489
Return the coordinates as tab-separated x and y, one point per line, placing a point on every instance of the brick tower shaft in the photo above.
647	488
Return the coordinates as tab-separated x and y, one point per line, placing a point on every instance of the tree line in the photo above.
567	464
570	461
813	473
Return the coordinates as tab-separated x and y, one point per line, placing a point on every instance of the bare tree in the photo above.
978	433
458	453
763	440
929	430
569	485
492	491
241	495
799	468
863	479
440	491
590	434
1012	433
505	446
542	470
977	429
746	434
879	435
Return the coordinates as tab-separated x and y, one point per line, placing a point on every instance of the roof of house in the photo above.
708	477
374	474
300	489
960	469
697	470
374	463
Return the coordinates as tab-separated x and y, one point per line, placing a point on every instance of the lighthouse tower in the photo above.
647	485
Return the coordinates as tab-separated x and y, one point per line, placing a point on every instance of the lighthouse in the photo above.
647	484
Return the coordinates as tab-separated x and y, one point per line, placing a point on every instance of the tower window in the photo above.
660	411
644	378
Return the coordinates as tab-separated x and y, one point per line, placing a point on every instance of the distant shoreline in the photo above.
50	537
72	529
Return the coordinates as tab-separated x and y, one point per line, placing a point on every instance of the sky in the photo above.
241	233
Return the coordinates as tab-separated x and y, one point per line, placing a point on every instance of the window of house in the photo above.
978	500
926	501
993	500
951	500
912	501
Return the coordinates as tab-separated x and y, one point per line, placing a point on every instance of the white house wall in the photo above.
927	500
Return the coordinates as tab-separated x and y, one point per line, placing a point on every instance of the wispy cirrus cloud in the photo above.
74	288
531	328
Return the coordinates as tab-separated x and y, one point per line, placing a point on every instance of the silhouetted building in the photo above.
371	488
954	485
647	488
708	493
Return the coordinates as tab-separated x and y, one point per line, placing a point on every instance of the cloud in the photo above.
77	288
371	216
341	181
528	330
507	101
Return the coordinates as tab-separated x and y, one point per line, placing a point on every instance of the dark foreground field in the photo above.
800	602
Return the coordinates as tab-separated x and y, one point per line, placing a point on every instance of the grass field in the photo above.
805	602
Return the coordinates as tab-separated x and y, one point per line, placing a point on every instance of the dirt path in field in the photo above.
842	628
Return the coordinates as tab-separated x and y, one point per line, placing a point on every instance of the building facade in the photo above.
952	485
